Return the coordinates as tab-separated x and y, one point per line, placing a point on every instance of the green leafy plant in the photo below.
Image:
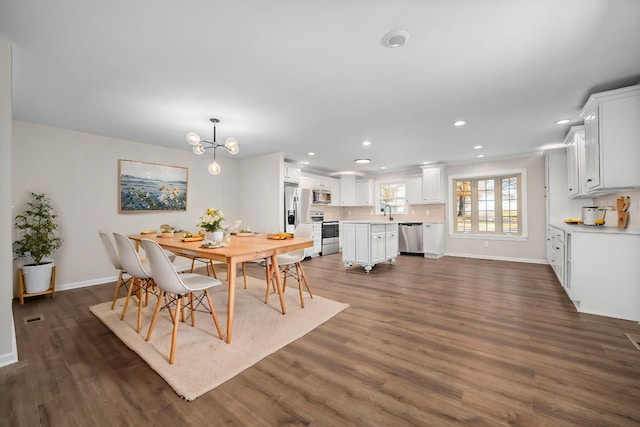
37	229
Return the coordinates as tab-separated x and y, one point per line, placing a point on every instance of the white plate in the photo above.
213	245
246	234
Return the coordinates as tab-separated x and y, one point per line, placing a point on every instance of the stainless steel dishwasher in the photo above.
410	242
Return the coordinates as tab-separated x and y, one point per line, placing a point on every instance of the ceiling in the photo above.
313	76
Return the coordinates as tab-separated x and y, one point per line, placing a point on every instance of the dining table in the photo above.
235	250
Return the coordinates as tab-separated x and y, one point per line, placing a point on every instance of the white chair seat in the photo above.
198	282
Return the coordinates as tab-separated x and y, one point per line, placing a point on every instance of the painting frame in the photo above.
151	187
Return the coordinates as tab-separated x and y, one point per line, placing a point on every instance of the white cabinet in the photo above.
414	190
575	162
602	271
368	243
356	193
433	184
347	191
612	140
335	192
433	240
558	204
365	192
556	252
291	173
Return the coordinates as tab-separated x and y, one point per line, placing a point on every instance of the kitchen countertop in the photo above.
580	228
367	221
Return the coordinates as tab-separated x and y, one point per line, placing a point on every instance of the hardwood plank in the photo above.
424	342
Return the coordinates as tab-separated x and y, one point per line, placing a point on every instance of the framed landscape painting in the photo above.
148	187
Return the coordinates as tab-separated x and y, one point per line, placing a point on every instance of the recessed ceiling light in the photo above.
304	163
383	167
480	155
395	38
362	161
311	153
366	143
562	121
459	123
477	147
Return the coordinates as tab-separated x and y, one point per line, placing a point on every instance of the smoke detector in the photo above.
395	38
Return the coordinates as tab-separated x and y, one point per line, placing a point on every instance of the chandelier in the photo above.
200	146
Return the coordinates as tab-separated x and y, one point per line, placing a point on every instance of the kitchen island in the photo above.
369	243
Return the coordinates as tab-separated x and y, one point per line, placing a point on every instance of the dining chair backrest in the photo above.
111	250
303	231
128	257
162	271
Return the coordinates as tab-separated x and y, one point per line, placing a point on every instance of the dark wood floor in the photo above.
424	342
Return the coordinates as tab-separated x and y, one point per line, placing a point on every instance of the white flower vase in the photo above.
215	236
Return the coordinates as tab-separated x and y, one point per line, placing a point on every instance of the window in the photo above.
394	195
489	205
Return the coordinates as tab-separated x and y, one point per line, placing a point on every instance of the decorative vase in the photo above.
215	236
37	278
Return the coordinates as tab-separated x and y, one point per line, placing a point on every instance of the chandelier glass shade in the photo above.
199	146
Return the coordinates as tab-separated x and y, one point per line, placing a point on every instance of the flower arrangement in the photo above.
211	220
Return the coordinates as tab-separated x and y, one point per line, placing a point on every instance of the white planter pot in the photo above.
215	236
37	278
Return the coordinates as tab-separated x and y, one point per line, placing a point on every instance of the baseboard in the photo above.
498	258
102	281
10	358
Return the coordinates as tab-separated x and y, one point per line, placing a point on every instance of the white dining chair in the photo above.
123	277
174	287
142	282
293	259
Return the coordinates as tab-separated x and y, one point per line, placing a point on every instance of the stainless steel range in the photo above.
330	237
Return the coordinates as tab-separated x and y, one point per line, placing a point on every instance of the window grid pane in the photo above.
488	205
393	195
463	198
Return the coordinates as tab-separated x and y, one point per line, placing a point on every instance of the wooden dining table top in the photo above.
237	250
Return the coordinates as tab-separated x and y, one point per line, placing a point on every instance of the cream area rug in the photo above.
202	360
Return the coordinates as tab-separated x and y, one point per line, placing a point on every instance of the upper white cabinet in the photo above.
365	192
335	192
291	173
347	190
575	162
612	140
433	184
356	193
414	189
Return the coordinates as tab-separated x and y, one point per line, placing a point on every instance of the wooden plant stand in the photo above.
23	293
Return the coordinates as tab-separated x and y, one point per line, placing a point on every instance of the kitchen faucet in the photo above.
384	212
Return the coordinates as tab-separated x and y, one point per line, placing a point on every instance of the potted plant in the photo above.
38	240
211	221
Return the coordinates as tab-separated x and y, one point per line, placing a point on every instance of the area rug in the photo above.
202	360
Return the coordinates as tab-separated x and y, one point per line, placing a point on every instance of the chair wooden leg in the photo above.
304	277
115	295
213	270
213	313
174	333
299	278
134	282
140	308
244	273
193	313
155	315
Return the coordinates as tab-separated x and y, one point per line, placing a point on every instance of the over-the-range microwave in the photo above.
321	197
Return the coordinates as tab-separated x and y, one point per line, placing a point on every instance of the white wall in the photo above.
530	250
261	192
8	350
79	172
